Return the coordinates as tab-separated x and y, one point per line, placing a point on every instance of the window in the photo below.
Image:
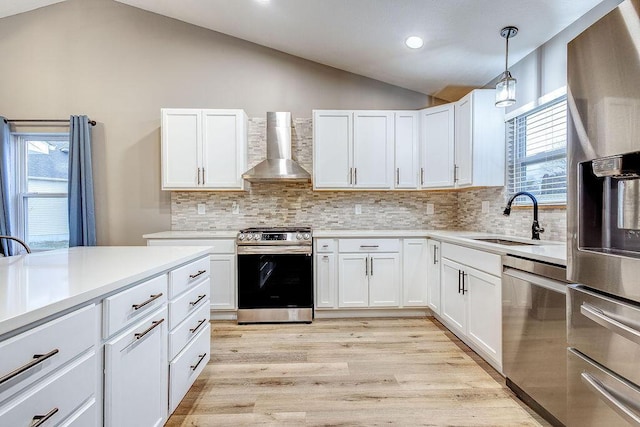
41	190
537	153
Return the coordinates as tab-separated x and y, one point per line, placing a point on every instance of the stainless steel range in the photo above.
275	275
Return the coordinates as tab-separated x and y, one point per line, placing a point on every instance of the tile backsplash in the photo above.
281	204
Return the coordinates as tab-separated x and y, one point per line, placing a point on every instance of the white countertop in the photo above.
213	234
38	285
543	250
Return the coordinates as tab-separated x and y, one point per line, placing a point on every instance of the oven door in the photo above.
272	280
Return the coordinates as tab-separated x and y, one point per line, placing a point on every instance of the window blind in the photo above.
537	153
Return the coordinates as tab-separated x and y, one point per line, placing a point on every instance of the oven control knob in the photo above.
299	236
241	237
249	236
307	236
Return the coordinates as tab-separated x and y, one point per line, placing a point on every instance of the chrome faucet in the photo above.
535	228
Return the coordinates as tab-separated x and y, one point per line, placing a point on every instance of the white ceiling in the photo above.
463	47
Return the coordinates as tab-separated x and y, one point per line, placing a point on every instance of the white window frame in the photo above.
550	155
21	195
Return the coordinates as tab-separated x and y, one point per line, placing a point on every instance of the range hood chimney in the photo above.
278	167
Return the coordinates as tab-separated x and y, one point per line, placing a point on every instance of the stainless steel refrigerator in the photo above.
603	218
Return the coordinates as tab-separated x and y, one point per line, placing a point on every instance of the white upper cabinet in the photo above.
353	149
437	146
332	149
373	149
479	140
203	149
407	141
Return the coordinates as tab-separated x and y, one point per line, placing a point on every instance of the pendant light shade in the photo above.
506	87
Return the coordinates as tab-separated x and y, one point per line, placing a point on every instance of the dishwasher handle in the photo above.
541	281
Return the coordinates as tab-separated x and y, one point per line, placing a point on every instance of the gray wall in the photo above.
120	65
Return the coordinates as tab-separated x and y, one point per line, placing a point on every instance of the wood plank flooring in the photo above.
351	372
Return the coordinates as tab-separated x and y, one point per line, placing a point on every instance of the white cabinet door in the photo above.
433	276
483	293
453	310
437	146
223	282
406	149
223	149
353	282
373	149
181	135
415	264
332	149
326	281
384	280
464	143
136	383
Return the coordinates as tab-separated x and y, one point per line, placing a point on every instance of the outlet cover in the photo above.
485	206
202	208
430	209
235	208
358	209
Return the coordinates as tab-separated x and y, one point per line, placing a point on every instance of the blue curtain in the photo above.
82	219
5	176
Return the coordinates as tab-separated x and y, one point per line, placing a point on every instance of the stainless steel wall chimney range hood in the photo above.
278	167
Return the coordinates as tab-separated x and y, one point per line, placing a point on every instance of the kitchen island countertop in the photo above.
38	285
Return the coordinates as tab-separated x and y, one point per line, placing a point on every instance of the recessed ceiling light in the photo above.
414	42
263	1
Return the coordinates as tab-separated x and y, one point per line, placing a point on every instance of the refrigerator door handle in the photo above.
602	319
610	399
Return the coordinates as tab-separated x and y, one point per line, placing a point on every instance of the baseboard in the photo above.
370	312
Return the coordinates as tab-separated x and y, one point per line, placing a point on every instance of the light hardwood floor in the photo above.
356	372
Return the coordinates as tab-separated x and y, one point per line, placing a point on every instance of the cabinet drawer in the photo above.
189	301
185	368
63	339
325	245
218	246
188	329
128	306
369	245
480	260
186	276
58	396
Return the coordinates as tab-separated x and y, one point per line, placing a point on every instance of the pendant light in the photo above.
506	87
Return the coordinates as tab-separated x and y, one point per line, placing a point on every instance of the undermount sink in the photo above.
503	242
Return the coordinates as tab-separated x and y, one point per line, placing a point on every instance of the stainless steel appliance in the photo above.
534	334
278	166
275	275
603	216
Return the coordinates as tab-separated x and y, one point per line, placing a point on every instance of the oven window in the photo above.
275	281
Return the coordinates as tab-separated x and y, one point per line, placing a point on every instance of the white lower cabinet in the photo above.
136	374
471	303
415	257
384	280
222	268
353	281
326	280
433	276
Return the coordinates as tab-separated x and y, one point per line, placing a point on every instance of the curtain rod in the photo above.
91	122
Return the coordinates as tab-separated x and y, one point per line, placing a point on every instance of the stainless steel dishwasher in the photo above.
534	334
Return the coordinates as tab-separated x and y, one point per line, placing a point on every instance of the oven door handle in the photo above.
610	399
601	318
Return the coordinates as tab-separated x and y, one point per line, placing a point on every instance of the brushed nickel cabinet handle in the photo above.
37	359
463	280
435	254
199	273
421	176
149	301
39	420
149	329
355	176
198	176
459	281
366	266
398	176
350	176
200	323
371	269
369	246
202	176
200	298
455	173
201	356
325	257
